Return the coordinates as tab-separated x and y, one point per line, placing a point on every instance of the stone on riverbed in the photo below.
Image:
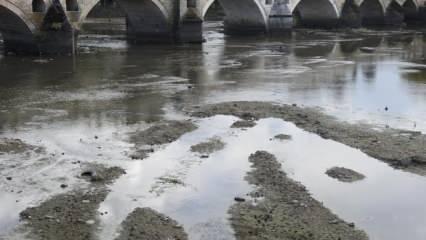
344	174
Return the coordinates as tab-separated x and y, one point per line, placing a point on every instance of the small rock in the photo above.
239	199
64	185
8	178
90	222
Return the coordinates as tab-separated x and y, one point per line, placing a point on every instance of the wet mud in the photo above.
208	147
72	215
281	208
344	174
162	133
243	124
147	224
401	149
17	146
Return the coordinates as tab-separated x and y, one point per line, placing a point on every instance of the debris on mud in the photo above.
243	124
208	147
344	174
72	215
17	146
145	223
283	137
401	149
286	210
162	133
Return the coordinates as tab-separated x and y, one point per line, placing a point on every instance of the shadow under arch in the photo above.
372	13
350	15
394	15
411	11
147	20
316	13
17	30
241	16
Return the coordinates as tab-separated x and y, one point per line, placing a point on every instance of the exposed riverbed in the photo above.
128	133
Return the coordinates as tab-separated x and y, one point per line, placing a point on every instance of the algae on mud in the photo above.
283	209
401	149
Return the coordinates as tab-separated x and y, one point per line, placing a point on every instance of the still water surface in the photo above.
112	89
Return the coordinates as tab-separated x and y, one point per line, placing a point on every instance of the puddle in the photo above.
388	204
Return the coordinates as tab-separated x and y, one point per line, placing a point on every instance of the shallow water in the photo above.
113	88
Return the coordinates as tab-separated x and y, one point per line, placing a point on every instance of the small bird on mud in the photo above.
386	109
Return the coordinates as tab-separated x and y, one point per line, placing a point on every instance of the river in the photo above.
112	88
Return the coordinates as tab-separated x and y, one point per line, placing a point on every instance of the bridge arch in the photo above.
147	20
241	15
316	13
372	12
17	30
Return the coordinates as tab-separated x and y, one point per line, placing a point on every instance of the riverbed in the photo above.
135	107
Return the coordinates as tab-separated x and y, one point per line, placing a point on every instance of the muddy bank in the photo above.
401	149
344	174
72	215
17	146
161	133
147	224
208	147
283	209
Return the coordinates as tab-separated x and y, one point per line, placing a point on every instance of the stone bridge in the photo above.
51	26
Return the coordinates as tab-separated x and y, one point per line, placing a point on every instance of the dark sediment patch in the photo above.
285	209
208	147
243	124
98	174
17	146
162	133
147	224
401	149
72	215
141	154
344	174
283	137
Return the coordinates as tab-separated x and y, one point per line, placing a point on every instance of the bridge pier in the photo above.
191	27
281	18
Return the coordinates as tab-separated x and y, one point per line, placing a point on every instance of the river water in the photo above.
112	88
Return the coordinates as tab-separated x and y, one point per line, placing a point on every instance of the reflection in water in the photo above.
112	89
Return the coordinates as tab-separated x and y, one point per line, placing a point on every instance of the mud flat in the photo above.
147	224
283	209
344	174
399	148
161	133
210	146
16	146
72	215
